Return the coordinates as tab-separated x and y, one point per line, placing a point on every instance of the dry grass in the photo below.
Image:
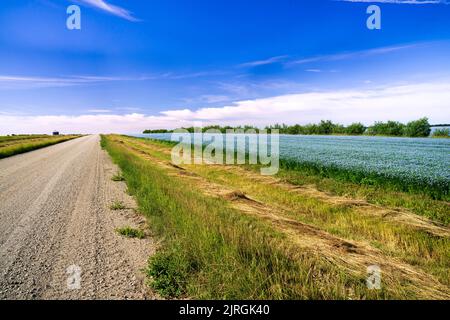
12	145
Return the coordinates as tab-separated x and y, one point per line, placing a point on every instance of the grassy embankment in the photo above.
12	145
230	233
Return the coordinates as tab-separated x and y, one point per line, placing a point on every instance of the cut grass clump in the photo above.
130	232
117	205
118	177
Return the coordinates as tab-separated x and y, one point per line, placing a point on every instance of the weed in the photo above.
117	205
130	232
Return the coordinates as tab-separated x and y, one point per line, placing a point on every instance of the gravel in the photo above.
54	214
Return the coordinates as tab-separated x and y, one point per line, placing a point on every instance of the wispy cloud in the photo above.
30	82
207	98
27	82
99	111
348	55
111	9
263	62
200	74
314	70
400	1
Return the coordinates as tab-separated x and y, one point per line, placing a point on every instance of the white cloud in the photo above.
211	98
314	70
111	9
399	102
99	111
98	123
396	102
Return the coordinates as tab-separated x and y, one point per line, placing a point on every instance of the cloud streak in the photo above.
349	55
111	9
30	82
257	63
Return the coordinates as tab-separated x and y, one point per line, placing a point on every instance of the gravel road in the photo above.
57	231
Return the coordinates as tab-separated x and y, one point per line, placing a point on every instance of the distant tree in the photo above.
311	129
390	128
418	128
325	127
295	129
157	131
394	128
339	129
356	128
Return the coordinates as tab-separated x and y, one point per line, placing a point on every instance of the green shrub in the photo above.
442	133
356	128
418	128
390	128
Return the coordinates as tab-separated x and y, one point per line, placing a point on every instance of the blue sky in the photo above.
167	63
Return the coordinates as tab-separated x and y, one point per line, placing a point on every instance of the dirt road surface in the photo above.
57	231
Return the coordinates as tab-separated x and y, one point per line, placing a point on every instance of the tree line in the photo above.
416	128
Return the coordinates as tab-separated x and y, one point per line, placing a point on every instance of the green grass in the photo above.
10	146
117	205
130	232
421	204
211	251
438	190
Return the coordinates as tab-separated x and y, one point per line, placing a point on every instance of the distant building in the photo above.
56	133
